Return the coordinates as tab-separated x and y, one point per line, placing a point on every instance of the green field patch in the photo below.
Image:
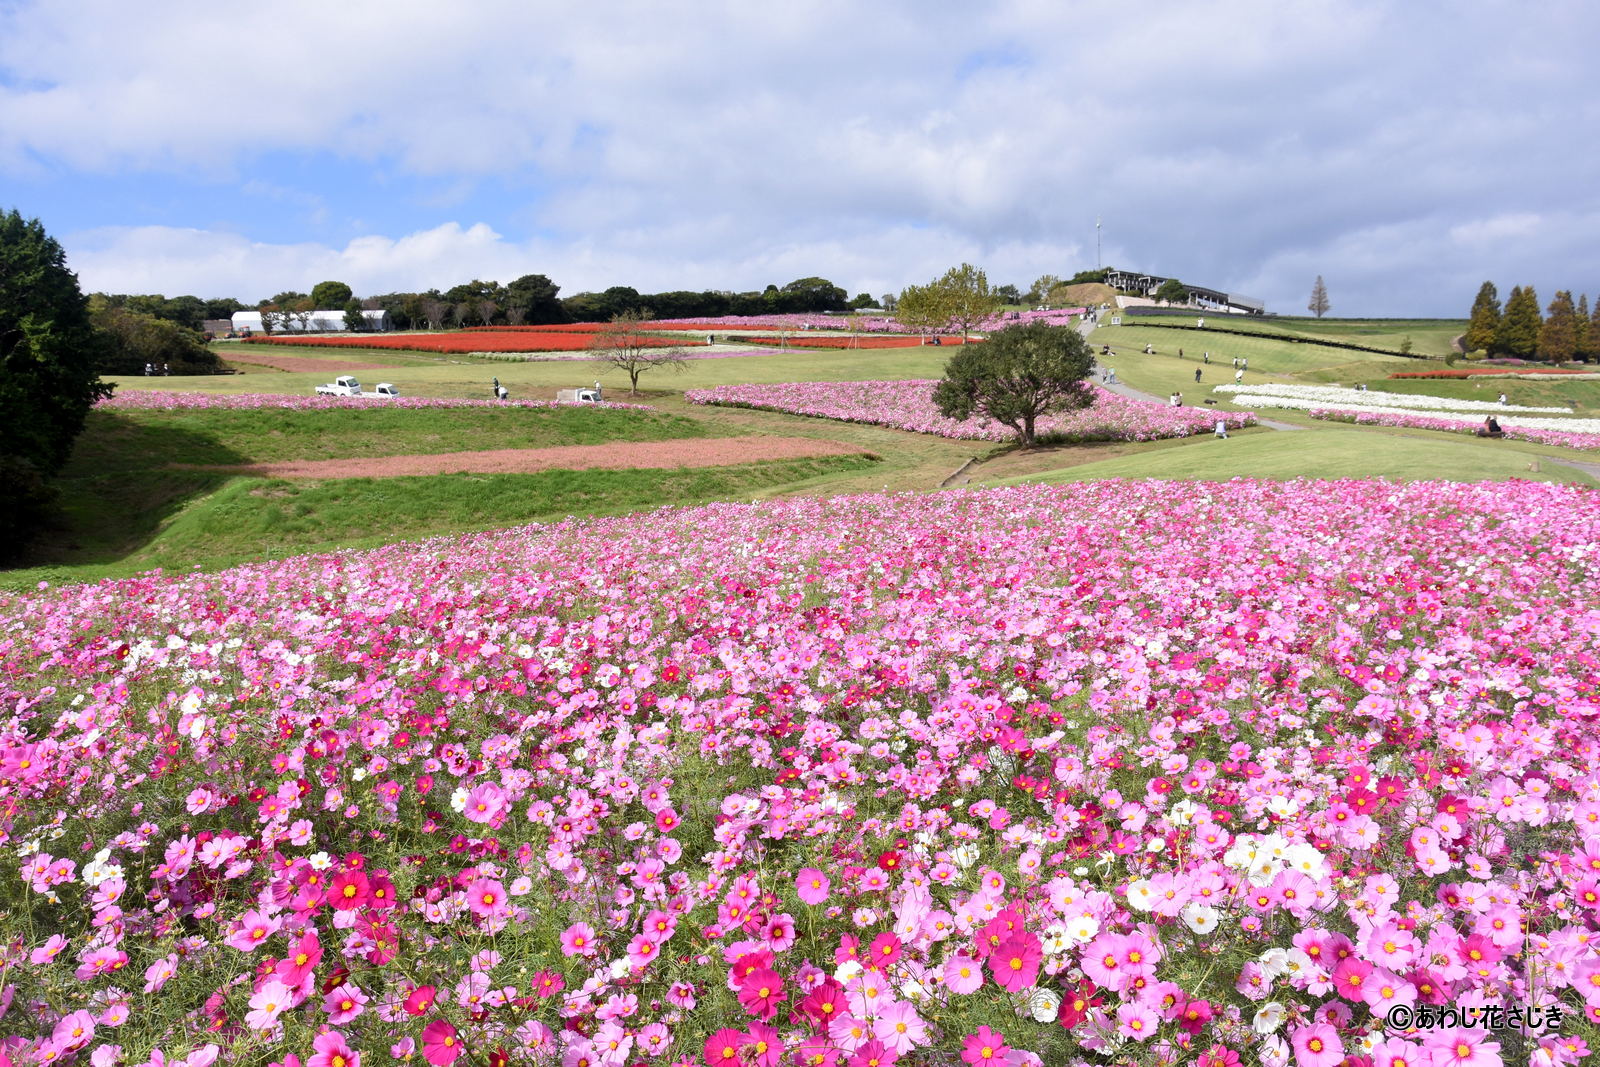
1325	453
224	522
1428	337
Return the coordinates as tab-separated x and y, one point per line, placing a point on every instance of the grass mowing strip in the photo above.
1013	776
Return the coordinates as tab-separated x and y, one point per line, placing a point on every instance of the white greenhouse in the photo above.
308	322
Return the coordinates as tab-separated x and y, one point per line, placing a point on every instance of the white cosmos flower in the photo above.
1201	918
1042	1005
1269	1017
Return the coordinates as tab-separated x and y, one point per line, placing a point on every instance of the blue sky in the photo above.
1406	152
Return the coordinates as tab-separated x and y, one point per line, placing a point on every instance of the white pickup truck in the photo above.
580	396
348	385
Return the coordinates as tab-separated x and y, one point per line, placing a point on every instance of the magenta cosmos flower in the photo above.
984	1047
722	1047
1015	963
440	1044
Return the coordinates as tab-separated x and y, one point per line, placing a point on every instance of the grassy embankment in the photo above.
128	507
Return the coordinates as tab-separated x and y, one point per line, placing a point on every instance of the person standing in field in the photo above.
1238	376
1197	374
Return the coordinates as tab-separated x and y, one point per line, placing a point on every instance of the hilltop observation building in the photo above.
1200	297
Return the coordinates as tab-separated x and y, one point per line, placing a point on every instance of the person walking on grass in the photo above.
1197	374
496	390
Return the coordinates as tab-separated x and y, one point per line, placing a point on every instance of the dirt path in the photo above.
690	452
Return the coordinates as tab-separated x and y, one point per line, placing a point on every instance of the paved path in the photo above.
1086	328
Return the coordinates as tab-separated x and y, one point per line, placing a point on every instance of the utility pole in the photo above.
1097	264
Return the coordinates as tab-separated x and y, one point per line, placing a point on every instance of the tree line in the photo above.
1565	331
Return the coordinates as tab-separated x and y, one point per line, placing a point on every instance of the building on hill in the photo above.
1200	297
315	322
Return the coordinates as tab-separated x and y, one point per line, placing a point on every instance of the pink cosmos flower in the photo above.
1462	1048
1137	1021
984	1047
722	1048
486	898
331	1050
1317	1045
900	1027
761	992
1015	963
578	940
883	951
74	1030
963	974
440	1043
420	1000
302	959
270	1001
812	885
343	1003
763	1046
485	803
873	1053
252	931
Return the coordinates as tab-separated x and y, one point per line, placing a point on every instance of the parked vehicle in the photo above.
580	396
344	385
349	385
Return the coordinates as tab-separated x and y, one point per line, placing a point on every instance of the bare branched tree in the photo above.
624	344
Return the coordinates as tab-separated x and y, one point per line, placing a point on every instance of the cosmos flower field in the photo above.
908	405
1117	772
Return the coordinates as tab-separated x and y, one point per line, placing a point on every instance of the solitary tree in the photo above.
1485	322
48	381
971	300
958	300
923	307
1319	298
1018	376
1558	335
623	345
1172	291
354	321
329	295
1519	326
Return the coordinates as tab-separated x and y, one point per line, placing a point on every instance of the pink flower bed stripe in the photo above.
1586	442
158	400
908	405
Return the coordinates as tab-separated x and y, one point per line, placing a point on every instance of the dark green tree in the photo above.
811	294
330	295
129	341
1584	339
532	298
354	321
1484	327
48	381
1008	294
1558	334
1019	375
862	300
1519	326
1172	292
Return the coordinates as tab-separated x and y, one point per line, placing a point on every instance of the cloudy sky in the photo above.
1404	150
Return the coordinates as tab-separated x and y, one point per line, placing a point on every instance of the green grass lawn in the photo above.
457	377
1325	452
114	439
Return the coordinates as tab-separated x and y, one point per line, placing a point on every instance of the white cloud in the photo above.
716	144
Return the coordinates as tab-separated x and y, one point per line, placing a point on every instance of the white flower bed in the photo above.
1324	395
1589	426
